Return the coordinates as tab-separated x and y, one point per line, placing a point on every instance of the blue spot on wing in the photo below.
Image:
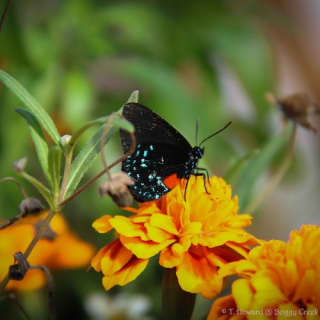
148	183
167	152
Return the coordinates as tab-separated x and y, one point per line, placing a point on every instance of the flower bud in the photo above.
20	164
30	205
297	107
18	270
117	189
65	140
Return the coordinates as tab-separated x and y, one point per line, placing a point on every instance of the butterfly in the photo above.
161	151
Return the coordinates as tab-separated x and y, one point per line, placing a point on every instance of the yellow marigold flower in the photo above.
197	236
279	280
60	248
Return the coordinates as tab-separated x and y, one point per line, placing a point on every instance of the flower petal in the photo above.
102	225
197	275
219	238
144	249
157	235
126	227
96	260
127	274
224	308
289	310
305	288
164	222
115	257
68	252
267	293
243	293
33	280
171	256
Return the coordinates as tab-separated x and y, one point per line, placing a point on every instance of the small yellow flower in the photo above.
58	249
279	281
196	236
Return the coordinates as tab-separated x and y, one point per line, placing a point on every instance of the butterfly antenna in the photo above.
215	133
197	129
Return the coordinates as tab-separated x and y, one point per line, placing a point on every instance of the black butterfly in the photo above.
160	152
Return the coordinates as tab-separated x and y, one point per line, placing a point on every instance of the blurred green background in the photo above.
212	60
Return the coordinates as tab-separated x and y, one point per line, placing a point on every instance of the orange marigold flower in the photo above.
196	236
59	248
279	280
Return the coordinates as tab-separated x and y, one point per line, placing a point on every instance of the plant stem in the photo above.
16	182
37	237
278	176
4	14
79	133
176	303
44	191
66	173
94	179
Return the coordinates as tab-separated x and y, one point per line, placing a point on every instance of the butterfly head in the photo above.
196	153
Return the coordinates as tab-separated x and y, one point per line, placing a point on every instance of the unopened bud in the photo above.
65	140
296	107
18	270
20	164
30	205
117	189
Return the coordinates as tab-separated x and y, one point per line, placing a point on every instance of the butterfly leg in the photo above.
185	190
203	175
206	173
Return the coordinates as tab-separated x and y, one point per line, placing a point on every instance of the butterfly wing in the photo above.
150	127
160	151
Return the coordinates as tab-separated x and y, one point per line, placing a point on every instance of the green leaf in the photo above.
43	190
120	122
253	168
38	139
239	167
134	96
123	124
54	165
33	106
91	149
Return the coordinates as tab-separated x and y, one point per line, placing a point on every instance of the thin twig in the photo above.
37	237
9	222
275	180
51	305
94	179
14	219
4	14
27	206
17	183
42	229
14	298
